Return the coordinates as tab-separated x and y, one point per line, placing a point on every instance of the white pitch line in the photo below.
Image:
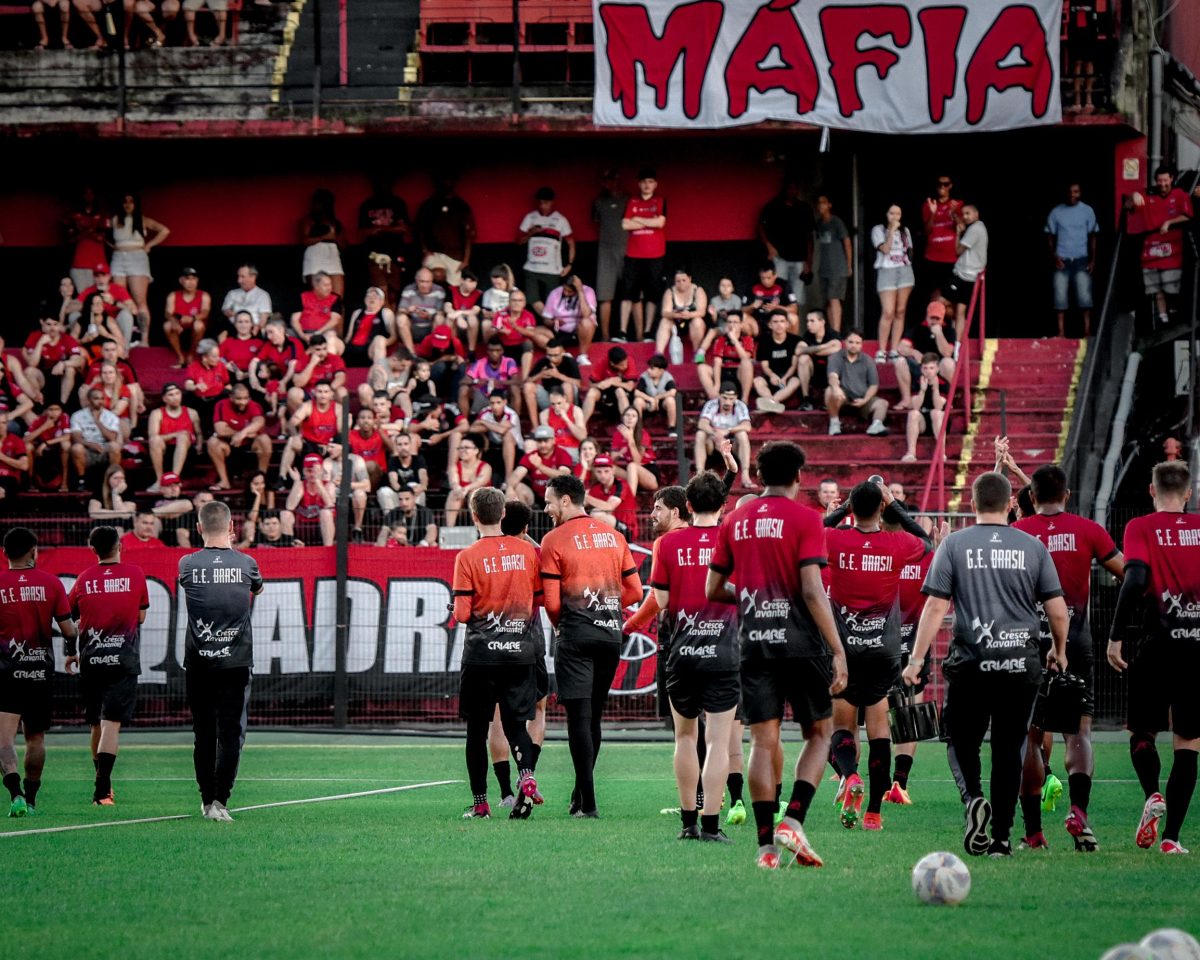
93	826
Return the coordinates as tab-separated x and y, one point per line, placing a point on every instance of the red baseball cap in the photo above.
313	460
441	336
936	309
602	462
100	268
169	479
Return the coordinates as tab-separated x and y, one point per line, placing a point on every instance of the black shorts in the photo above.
517	351
356	356
959	290
30	699
107	696
768	685
586	669
1162	678
870	679
642	279
482	686
709	690
660	683
541	675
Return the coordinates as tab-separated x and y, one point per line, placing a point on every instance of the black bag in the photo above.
1060	703
910	721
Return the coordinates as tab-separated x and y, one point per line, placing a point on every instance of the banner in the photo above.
915	66
403	650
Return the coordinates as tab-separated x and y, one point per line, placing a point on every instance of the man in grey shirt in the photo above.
995	576
218	584
854	383
608	209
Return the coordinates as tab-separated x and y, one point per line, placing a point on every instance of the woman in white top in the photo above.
323	237
893	280
134	235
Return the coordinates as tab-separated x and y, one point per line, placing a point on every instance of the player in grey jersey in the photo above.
995	576
218	584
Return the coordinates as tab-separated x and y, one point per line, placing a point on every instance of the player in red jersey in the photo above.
1162	571
1073	542
700	636
865	566
31	601
773	548
109	603
589	576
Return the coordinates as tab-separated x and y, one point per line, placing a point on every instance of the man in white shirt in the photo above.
971	262
248	296
545	230
95	436
725	418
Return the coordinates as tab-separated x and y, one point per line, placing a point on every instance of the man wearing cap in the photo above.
645	223
420	309
446	356
527	482
725	418
118	304
931	335
174	511
187	312
172	424
312	497
609	498
248	295
545	230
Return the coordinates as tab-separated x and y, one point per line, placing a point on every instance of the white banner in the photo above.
914	66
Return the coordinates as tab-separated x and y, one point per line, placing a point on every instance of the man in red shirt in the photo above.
206	381
315	428
609	498
52	361
320	312
322	365
312	497
645	224
368	442
447	357
941	215
1160	217
118	304
146	527
273	370
49	438
172	424
110	352
109	602
238	424
14	460
31	601
187	312
612	386
528	482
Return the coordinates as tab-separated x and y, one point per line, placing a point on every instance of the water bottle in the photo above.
675	350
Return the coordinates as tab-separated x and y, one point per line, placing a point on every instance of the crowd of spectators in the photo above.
135	24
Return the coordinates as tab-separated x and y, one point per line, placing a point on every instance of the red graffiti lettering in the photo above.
842	27
774	26
1014	28
942	27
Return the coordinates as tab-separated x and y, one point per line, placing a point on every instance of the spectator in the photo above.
70	309
725	418
52	361
528	482
656	392
785	229
447	359
465	313
406	471
437	429
315	428
445	229
611	500
854	382
393	378
1071	230
502	426
468	474
320	313
777	359
927	406
15	397
238	353
684	314
514	325
896	489
408	525
144	11
248	295
117	397
719	309
218	8
312	498
274	369
836	260
145	532
645	224
320	366
14	460
258	499
1161	216
187	312
387	237
174	511
557	370
971	262
268	533
134	236
86	228
371	446
495	297
930	336
97	328
571	312
732	358
608	212
118	303
49	441
490	373
588	451
543	232
238	425
566	420
360	490
1081	50
632	453
829	495
894	280
87	13
205	381
323	237
108	502
110	353
613	391
767	296
171	425
95	436
421	306
941	217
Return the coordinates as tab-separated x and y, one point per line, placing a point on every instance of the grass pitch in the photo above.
401	875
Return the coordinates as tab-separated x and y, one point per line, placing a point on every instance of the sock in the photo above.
764	820
709	822
535	751
479	798
31	790
1180	786
503	777
1079	785
844	743
735	783
699	796
778	794
13	782
903	768
104	768
802	794
1146	764
1031	813
879	765
689	817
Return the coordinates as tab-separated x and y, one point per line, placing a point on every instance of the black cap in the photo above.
188	272
171	385
544	193
647	173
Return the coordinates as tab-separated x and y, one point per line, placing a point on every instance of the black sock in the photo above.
535	751
689	817
710	822
13	782
833	758
32	787
844	752
1144	753
1046	771
802	794
735	783
778	794
1079	786
879	765
503	773
699	796
478	798
903	769
1180	786
1031	813
104	768
764	820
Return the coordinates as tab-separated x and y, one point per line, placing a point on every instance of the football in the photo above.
1171	944
1128	951
941	878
